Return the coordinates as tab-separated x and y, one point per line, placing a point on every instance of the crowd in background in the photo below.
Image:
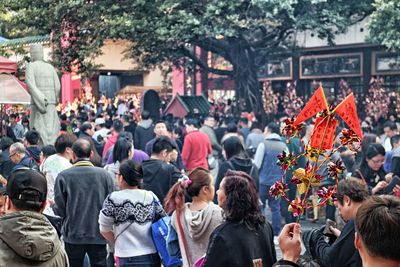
113	170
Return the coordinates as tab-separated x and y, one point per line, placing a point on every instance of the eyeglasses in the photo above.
377	161
12	155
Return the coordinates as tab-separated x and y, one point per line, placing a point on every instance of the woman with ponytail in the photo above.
193	222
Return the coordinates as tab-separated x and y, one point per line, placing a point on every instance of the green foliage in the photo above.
244	32
385	23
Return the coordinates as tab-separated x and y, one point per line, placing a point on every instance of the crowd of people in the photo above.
91	198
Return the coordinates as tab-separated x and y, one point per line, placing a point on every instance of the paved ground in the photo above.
305	225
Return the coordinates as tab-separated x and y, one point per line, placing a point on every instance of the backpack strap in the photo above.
183	237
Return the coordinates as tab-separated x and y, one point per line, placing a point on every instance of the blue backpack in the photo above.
160	231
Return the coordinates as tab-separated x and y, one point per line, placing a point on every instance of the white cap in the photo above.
99	121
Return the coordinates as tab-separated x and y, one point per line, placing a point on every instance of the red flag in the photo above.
316	104
348	112
318	138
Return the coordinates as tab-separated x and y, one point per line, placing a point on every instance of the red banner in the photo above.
316	104
318	138
348	112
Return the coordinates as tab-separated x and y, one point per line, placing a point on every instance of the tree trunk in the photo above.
248	91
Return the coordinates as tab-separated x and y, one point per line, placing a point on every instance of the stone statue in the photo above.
44	87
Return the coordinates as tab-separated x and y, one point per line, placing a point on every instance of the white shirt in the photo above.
103	132
129	214
51	167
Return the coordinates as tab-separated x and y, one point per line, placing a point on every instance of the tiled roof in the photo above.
2	39
195	104
26	40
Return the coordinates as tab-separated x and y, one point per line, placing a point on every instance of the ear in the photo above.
205	189
357	241
346	200
8	204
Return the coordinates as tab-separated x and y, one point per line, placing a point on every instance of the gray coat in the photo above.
79	194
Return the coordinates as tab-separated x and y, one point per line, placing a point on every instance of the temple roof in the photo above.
40	39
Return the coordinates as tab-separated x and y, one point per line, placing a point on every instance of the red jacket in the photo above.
196	148
110	142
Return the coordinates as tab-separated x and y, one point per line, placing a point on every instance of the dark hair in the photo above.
374	150
32	137
161	121
161	144
117	126
81	148
48	150
63	126
122	148
256	125
175	198
192	122
273	128
378	225
145	115
354	188
395	139
131	172
86	126
25	119
231	127
391	125
368	139
13	116
233	147
5	143
178	131
126	118
63	141
241	203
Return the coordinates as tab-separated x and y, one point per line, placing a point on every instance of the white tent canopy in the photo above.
11	91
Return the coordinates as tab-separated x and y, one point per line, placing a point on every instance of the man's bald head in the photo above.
81	148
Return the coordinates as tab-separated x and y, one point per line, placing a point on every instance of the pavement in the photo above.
305	225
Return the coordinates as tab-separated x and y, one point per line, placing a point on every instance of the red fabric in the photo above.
196	148
347	110
316	104
323	134
110	142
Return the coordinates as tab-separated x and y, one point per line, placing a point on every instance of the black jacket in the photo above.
159	177
233	244
6	165
79	195
236	164
144	132
341	253
33	152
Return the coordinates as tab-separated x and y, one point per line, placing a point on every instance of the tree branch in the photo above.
186	52
219	47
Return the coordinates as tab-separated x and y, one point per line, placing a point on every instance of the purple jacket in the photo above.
138	156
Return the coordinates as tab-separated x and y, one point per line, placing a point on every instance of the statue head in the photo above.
36	52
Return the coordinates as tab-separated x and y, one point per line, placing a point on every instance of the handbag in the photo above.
159	230
200	262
